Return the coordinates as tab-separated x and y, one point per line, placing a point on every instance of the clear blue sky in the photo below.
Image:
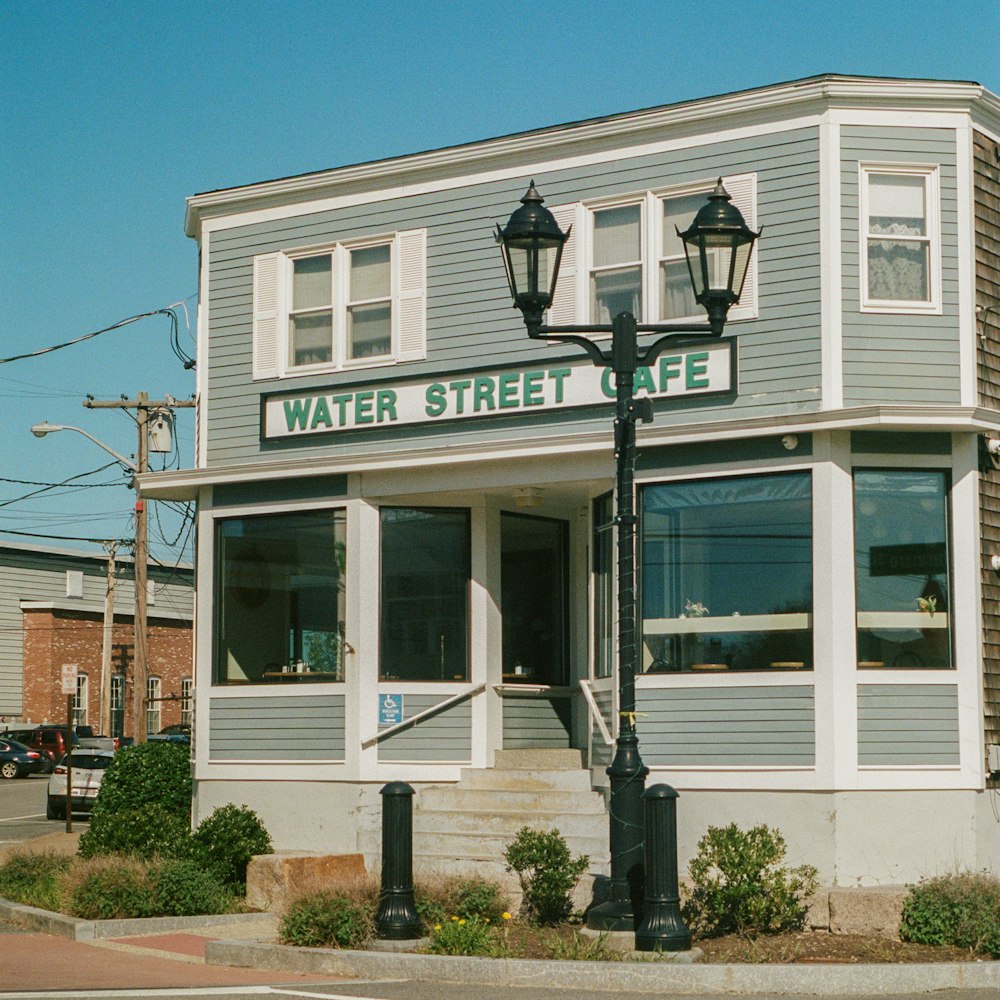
112	113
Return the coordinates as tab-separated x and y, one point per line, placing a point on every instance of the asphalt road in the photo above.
427	991
22	810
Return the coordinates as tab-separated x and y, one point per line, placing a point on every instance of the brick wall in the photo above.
55	637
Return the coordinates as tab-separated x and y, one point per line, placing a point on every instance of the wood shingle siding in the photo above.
986	167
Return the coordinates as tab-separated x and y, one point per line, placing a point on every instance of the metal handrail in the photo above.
414	719
595	712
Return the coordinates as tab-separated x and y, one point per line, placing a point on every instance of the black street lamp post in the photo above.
717	246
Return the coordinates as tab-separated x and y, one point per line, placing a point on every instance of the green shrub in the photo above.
462	896
184	889
226	840
465	936
144	804
547	872
111	889
327	920
741	887
148	832
33	879
962	910
157	773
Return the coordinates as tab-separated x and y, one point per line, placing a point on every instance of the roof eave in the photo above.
828	91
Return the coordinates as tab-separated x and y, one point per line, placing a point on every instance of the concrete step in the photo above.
538	760
489	846
461	799
509	822
526	779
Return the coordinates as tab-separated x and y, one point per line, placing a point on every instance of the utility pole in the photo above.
109	625
140	671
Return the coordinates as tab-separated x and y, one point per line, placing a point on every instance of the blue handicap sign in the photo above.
390	709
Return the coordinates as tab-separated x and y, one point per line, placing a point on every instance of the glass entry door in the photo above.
534	599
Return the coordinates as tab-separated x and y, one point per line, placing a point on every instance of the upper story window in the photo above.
626	256
900	235
349	305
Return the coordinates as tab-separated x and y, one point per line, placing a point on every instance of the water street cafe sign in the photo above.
689	371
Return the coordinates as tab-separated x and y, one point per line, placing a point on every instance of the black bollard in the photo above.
397	918
662	927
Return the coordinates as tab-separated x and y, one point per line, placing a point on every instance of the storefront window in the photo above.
603	548
280	598
902	568
425	594
727	574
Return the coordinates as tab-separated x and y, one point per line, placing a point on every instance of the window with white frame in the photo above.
117	705
625	255
80	701
152	705
187	701
900	236
345	305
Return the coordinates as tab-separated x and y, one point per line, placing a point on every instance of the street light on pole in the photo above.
717	247
140	666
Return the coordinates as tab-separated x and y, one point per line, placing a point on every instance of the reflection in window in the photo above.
602	546
280	598
727	574
426	564
902	568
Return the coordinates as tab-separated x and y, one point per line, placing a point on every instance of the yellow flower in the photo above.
486	919
505	915
454	918
437	927
461	922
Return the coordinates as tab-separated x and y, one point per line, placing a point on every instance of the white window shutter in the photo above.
266	303
742	189
412	312
563	308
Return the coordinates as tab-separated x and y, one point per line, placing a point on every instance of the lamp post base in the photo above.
622	910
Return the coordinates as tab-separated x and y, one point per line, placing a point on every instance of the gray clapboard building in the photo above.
405	565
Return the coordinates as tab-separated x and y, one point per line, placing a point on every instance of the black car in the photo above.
18	761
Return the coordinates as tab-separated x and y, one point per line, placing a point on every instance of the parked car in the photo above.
94	741
49	740
18	761
179	732
88	771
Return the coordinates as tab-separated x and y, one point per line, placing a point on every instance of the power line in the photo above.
168	311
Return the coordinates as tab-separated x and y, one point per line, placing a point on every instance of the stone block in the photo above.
274	880
873	910
818	914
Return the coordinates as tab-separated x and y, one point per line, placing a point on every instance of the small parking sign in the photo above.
390	709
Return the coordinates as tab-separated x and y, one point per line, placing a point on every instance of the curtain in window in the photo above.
898	268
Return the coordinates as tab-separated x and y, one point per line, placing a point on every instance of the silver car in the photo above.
88	770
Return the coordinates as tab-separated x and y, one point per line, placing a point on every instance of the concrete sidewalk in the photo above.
191	951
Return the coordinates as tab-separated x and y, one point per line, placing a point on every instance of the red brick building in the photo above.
53	604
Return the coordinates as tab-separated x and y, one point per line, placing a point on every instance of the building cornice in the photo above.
815	95
185	484
92	608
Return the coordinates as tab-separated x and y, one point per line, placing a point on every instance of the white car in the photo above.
88	770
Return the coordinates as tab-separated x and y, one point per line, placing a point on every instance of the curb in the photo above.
99	930
655	977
